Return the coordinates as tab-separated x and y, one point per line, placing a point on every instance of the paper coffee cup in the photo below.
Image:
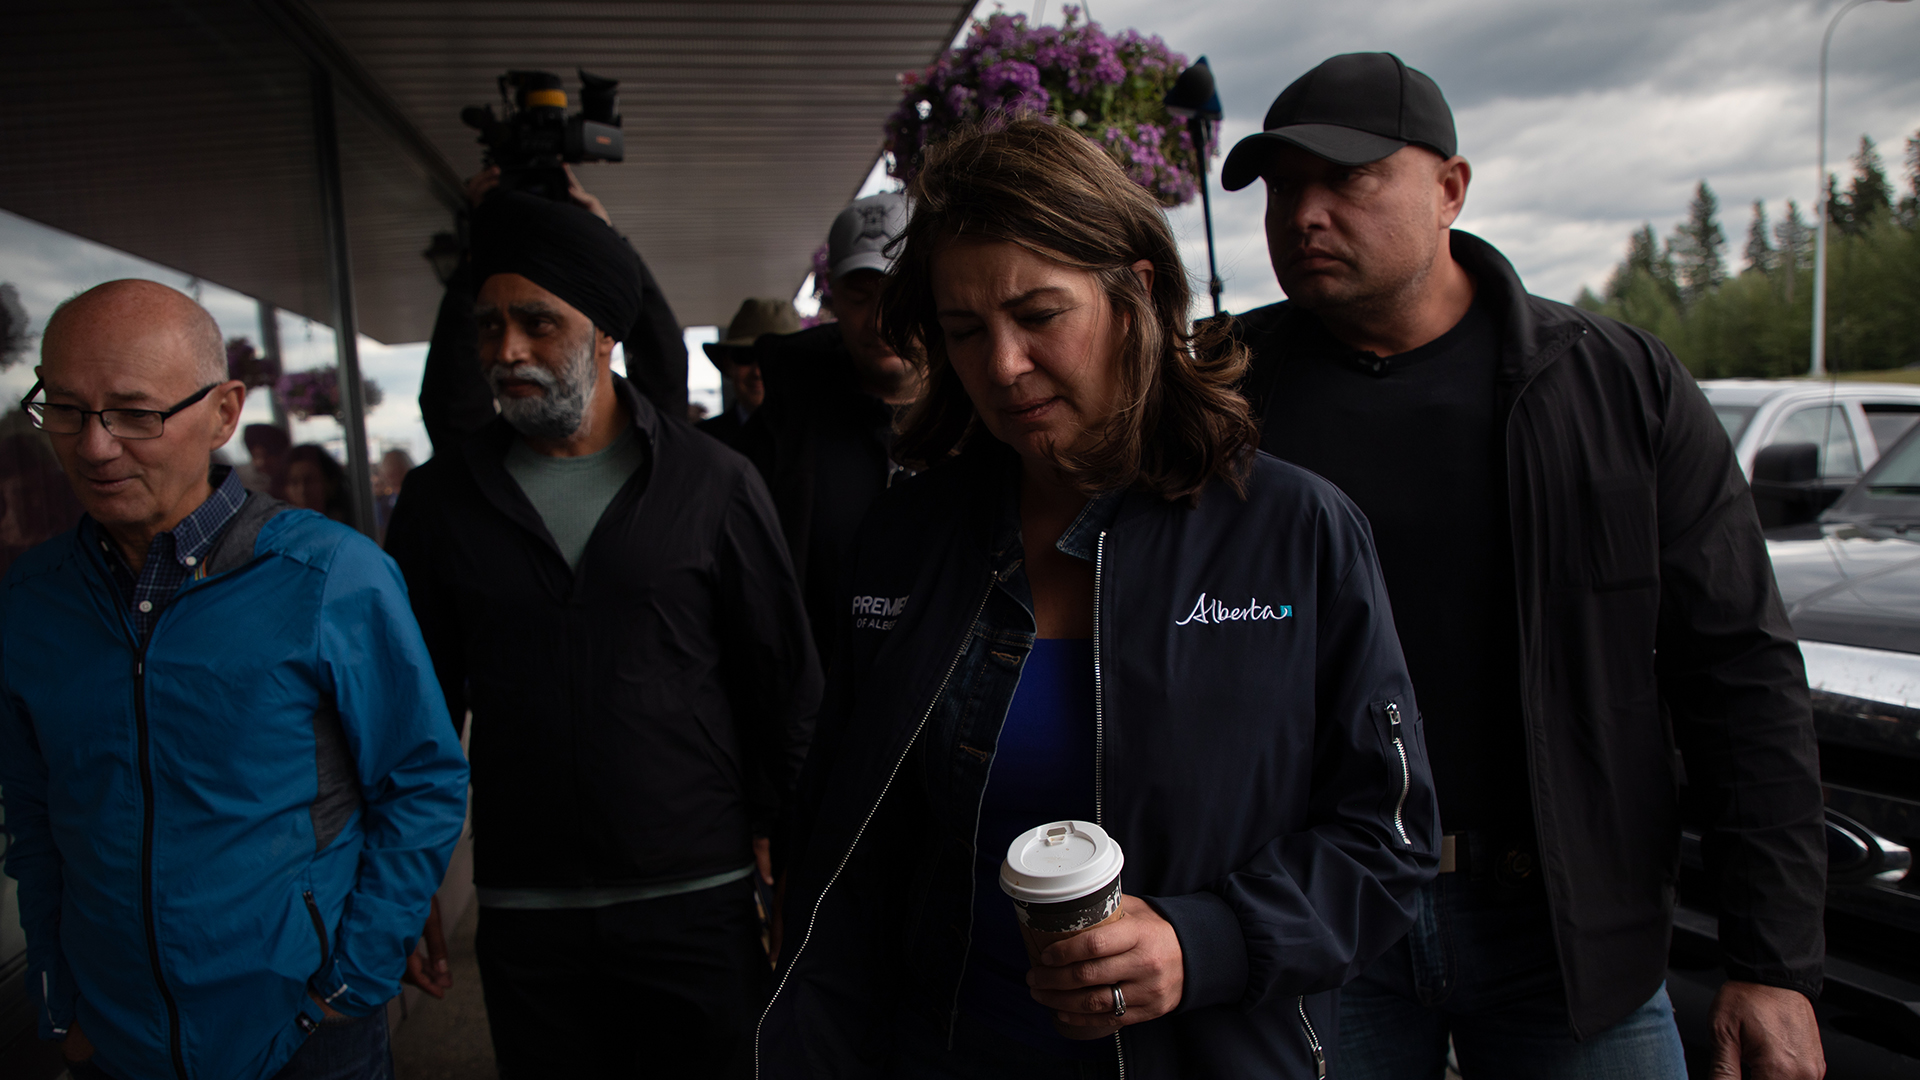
1064	878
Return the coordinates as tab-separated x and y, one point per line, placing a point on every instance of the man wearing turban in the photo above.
606	593
454	400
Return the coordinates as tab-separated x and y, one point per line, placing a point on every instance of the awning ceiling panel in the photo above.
184	137
180	131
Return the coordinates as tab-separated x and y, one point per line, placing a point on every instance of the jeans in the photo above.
668	987
349	1048
1479	966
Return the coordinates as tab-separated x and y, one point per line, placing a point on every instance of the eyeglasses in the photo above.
119	423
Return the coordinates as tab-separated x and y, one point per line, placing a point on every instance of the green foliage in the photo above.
1909	212
1760	323
1759	240
1869	196
1697	245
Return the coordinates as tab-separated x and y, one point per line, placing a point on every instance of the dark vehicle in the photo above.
1851	581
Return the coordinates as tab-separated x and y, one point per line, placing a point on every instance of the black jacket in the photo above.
635	720
1654	648
1257	758
455	400
823	446
725	427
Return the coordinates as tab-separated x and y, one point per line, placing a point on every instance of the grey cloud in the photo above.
1582	120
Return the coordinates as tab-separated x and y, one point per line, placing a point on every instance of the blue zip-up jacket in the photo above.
257	804
1259	759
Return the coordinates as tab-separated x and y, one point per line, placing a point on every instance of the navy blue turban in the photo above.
565	250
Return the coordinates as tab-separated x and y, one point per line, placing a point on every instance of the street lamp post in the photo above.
1819	366
1194	99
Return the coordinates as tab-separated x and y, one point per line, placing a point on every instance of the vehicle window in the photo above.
1734	418
1898	474
1889	422
1825	426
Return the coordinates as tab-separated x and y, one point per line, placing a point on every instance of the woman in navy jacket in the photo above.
1097	602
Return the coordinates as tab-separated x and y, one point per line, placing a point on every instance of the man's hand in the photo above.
776	921
326	1010
580	197
480	183
763	858
1140	952
427	967
75	1047
1771	1030
484	181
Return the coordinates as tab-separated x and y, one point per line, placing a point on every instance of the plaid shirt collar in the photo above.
175	555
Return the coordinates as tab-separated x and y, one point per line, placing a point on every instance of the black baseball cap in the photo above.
1352	109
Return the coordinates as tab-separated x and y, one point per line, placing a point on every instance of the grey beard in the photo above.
562	406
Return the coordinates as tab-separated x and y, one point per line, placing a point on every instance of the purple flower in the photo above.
1109	85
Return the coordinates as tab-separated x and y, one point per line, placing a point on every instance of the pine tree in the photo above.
1760	254
1793	239
1697	245
1910	202
1869	195
1839	211
1645	259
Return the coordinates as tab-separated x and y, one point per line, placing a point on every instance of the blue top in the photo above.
1042	771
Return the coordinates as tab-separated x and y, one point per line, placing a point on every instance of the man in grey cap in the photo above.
824	437
1586	606
733	355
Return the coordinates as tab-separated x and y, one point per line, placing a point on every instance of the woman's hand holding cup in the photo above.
1141	952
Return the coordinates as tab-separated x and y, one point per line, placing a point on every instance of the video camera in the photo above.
536	135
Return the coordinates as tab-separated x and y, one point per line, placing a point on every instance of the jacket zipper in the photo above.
146	858
814	915
1100	733
319	931
1406	776
1313	1041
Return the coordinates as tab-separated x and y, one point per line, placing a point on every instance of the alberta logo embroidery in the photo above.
877	612
1215	611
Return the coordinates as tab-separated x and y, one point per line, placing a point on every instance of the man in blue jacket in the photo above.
228	771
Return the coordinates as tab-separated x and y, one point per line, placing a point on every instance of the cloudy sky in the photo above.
1582	120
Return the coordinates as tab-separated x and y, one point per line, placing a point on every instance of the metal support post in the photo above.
346	331
270	354
1198	125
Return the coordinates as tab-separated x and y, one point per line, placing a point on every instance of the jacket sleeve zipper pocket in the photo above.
1313	1041
319	931
1406	775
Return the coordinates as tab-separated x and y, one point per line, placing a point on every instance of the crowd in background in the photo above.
752	710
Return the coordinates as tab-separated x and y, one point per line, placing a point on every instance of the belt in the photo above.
1508	861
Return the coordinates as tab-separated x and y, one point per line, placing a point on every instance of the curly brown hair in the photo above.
1051	191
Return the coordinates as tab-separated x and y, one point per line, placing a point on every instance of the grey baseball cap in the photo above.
1353	109
860	235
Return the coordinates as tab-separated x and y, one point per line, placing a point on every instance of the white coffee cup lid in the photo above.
1062	860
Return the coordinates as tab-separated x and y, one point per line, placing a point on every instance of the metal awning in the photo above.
182	131
305	151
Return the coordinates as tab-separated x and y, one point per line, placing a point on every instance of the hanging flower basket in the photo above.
1109	88
245	363
316	392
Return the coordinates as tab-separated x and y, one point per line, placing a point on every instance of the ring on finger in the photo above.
1119	1001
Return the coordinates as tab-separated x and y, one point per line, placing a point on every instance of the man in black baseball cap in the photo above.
1351	110
1580	587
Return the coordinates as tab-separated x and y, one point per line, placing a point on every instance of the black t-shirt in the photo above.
1417	442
